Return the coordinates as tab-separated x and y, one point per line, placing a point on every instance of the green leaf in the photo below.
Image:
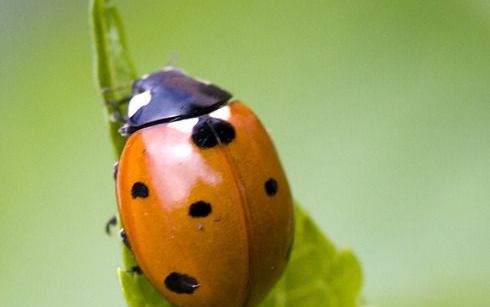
317	275
138	291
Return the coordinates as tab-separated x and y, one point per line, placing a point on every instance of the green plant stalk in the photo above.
114	68
318	274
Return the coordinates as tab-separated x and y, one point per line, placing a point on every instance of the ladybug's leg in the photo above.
110	223
136	270
124	238
115	168
116	105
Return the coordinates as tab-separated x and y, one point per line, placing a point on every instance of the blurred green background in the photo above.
380	111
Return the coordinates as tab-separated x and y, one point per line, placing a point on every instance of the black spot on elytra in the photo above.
223	129
209	132
271	187
200	209
181	283
139	189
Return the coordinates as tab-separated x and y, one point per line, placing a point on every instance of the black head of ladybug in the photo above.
170	95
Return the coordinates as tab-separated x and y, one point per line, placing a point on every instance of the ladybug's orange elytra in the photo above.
204	201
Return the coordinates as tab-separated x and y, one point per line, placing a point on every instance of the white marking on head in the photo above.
222	113
138	101
184	125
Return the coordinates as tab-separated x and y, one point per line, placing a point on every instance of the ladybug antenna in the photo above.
172	61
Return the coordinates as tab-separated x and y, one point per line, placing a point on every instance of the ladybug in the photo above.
204	202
